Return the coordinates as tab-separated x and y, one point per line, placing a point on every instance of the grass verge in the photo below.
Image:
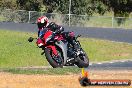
104	50
16	51
49	71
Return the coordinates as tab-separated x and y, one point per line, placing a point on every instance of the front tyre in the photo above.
52	61
83	60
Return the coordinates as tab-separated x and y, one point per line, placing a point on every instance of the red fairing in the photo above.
53	49
59	37
47	35
39	42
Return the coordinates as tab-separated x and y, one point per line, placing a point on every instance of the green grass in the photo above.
49	71
104	50
16	51
99	22
106	22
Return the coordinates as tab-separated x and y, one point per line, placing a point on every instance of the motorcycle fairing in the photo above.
53	48
63	47
47	36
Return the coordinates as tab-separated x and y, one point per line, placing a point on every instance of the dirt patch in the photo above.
8	80
122	54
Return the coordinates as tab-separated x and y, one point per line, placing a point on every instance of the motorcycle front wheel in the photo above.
52	61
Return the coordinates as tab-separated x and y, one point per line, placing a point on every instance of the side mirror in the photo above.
30	39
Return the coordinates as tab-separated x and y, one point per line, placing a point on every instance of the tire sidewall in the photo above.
50	59
83	63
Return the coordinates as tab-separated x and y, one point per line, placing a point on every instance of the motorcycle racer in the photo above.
60	48
44	24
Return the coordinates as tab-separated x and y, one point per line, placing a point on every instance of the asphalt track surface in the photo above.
119	35
113	65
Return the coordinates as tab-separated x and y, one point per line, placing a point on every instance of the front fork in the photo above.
52	47
54	53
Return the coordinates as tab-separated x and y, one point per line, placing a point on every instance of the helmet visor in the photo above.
41	25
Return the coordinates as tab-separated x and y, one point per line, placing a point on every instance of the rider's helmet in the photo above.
42	22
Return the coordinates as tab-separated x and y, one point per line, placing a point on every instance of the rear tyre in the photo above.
51	60
83	60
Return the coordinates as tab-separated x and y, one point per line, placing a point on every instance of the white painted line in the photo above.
119	42
111	62
90	64
99	63
122	61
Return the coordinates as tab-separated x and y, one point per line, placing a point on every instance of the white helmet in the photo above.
42	22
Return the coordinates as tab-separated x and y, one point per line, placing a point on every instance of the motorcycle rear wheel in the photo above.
83	60
50	59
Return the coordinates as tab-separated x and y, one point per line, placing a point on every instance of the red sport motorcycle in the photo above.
59	52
